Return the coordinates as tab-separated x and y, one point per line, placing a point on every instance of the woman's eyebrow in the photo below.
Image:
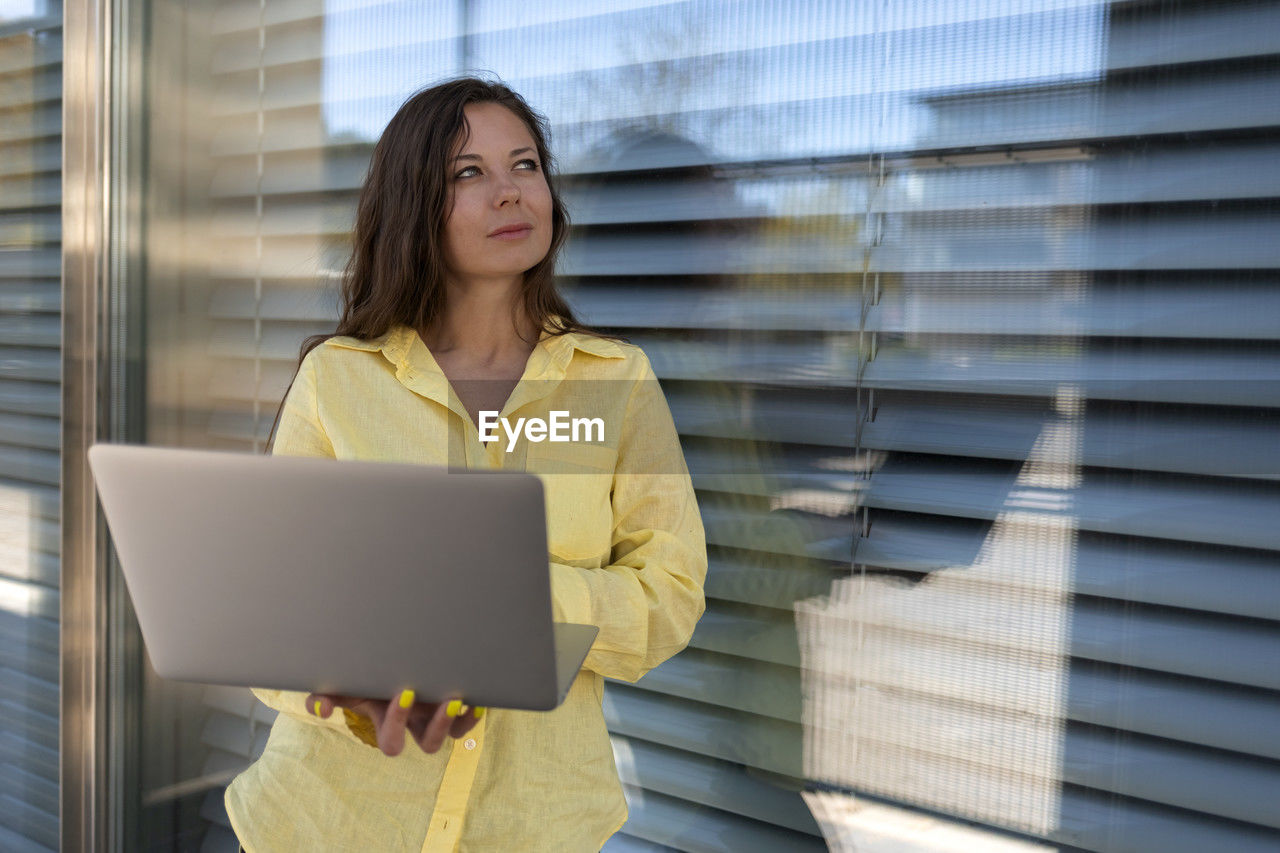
513	153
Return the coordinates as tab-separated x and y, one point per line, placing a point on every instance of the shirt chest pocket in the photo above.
576	480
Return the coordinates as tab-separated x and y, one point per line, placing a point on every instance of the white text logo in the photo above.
538	430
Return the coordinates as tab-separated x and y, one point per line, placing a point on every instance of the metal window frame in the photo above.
100	690
100	649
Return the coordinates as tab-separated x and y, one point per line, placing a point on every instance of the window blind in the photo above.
1071	396
30	364
964	314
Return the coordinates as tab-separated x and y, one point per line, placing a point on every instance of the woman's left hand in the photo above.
428	722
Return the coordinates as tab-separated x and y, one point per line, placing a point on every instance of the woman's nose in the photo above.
506	191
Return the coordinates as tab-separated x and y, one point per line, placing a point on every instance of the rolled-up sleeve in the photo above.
647	601
300	433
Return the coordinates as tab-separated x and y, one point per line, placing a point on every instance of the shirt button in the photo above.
469	743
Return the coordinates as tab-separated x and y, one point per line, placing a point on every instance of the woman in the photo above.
449	310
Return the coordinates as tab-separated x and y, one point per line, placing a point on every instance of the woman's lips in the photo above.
513	235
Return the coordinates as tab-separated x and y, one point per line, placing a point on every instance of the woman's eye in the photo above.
532	163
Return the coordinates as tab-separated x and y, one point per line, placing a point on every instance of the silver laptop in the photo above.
338	576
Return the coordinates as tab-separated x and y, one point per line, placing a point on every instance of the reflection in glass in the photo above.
964	312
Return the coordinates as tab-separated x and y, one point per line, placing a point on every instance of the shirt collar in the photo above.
399	343
418	370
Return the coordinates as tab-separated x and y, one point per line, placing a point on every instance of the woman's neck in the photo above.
478	328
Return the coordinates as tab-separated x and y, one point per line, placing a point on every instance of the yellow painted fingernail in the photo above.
479	713
317	707
406	699
454	708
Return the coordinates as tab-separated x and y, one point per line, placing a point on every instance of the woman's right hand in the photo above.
428	722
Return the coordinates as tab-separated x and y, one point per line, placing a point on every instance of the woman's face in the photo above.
496	181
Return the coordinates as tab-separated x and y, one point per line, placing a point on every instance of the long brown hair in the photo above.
396	273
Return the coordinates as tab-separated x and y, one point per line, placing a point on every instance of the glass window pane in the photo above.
30	435
965	316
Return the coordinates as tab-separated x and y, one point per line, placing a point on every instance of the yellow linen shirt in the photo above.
627	553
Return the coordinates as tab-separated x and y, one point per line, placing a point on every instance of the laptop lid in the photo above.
339	576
